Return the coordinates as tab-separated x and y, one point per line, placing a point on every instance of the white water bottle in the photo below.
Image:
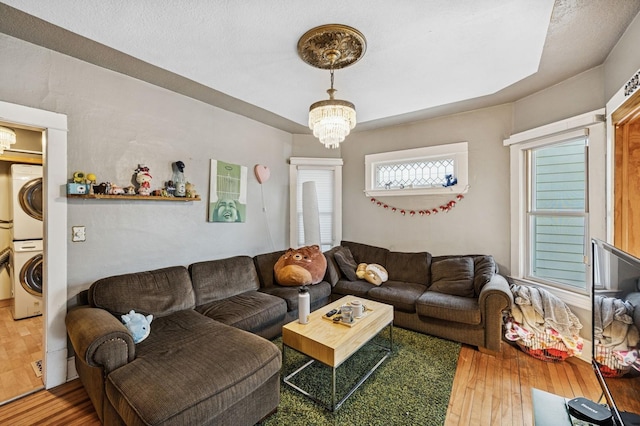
303	305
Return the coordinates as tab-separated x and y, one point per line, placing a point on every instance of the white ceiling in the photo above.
421	55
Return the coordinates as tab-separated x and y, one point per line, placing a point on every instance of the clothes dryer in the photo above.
26	201
26	278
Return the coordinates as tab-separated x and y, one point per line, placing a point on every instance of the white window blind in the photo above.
324	180
327	175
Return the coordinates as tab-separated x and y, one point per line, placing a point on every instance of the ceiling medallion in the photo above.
332	47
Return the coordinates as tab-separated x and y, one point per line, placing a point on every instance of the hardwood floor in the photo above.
21	344
487	390
496	390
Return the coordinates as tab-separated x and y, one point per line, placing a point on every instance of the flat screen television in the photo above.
616	318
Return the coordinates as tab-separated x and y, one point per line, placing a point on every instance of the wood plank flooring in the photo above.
487	390
20	344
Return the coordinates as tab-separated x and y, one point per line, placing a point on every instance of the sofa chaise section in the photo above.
191	369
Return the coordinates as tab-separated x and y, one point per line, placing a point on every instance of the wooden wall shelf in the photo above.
131	197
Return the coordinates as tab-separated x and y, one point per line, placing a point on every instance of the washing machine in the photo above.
26	278
26	202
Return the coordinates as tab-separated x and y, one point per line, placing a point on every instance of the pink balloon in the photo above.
262	173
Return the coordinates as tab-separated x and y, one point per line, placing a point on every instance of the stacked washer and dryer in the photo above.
26	248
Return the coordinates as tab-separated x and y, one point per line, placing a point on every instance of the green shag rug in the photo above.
411	387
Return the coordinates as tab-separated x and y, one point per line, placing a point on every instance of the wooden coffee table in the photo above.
332	344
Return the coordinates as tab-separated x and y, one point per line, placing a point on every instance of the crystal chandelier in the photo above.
332	47
7	138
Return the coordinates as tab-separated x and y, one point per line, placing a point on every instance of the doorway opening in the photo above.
53	127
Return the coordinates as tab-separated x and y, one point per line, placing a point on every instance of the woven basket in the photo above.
610	364
551	353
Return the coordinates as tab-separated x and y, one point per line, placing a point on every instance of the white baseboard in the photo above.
72	373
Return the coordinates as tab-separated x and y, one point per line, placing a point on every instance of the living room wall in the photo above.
478	224
117	122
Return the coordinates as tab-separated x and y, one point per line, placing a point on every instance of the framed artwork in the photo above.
227	192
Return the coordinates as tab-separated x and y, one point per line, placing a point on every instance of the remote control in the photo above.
331	313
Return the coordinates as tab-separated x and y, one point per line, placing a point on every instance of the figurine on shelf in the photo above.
116	190
191	190
144	180
131	190
170	189
91	180
78	177
179	181
101	189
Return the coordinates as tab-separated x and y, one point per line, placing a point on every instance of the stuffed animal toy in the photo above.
372	273
144	180
302	266
138	325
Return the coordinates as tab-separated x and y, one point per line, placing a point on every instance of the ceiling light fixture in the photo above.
7	138
332	47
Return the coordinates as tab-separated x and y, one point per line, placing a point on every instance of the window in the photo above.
557	231
327	175
557	204
420	171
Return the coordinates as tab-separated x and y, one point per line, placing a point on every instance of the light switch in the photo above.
78	234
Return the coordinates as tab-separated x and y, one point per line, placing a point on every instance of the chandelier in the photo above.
7	138
332	47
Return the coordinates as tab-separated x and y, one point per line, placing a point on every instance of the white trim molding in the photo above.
54	147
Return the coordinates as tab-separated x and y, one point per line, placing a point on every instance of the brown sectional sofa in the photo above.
206	360
459	298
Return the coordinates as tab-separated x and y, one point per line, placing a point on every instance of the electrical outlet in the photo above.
78	234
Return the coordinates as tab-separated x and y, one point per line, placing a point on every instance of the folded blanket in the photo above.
541	309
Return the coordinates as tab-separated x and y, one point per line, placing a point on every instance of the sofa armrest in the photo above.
99	339
494	298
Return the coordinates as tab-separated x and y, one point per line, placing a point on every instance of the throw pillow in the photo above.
453	276
346	263
485	268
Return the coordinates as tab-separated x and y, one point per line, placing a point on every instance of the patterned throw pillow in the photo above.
346	263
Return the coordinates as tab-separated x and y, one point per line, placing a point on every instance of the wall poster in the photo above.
227	192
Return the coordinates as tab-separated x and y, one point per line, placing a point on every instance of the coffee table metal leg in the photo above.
333	389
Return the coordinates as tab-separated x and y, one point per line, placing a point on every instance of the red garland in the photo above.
427	212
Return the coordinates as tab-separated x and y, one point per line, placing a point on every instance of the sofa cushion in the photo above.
219	279
264	267
358	288
409	267
485	268
453	276
402	295
251	311
346	263
449	308
317	292
159	292
364	253
208	364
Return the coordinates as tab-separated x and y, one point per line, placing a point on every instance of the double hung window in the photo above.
557	214
558	187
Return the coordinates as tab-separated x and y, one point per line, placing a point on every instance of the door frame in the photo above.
54	155
619	106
